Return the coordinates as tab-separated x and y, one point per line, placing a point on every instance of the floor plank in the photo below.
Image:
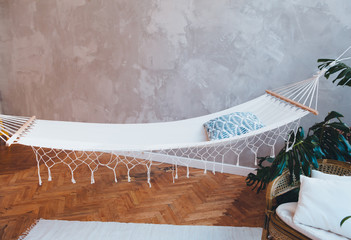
202	199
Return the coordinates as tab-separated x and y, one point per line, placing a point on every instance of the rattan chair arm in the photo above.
272	192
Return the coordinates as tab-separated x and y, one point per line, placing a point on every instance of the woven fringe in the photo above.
25	234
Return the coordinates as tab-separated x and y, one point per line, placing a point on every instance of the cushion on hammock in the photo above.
231	125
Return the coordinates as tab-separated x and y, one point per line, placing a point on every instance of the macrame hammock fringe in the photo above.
180	143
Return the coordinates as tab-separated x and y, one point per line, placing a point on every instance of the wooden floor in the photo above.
202	199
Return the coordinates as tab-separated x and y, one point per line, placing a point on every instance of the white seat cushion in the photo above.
286	212
331	177
323	204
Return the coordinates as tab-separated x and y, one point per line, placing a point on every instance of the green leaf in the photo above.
297	165
341	74
344	219
336	68
325	60
316	126
344	77
325	63
332	115
290	164
306	168
300	134
339	126
344	141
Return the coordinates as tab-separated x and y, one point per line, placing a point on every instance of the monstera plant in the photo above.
327	139
323	140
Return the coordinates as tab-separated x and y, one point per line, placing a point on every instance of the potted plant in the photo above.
327	139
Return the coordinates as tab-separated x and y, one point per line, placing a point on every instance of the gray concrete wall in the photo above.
145	61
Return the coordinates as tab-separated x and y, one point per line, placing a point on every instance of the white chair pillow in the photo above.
325	176
323	204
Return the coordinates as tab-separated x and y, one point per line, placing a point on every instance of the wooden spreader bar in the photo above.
19	132
297	104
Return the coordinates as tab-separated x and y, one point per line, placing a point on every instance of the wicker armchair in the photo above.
274	227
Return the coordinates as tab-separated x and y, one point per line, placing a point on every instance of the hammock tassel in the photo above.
214	167
114	172
273	151
222	168
129	175
148	177
254	151
38	165
187	171
49	173
73	180
92	180
176	167
173	174
148	173
40	182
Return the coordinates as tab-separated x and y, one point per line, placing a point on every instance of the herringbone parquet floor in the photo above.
202	199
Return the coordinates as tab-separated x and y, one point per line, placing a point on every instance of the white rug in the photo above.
74	230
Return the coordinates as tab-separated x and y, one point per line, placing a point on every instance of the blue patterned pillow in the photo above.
231	125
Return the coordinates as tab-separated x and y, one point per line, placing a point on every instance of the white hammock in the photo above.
179	142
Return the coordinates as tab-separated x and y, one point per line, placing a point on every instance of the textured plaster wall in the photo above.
145	61
5	50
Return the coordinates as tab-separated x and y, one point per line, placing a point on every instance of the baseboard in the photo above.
200	164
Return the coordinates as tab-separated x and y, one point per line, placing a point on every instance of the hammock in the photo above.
178	142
